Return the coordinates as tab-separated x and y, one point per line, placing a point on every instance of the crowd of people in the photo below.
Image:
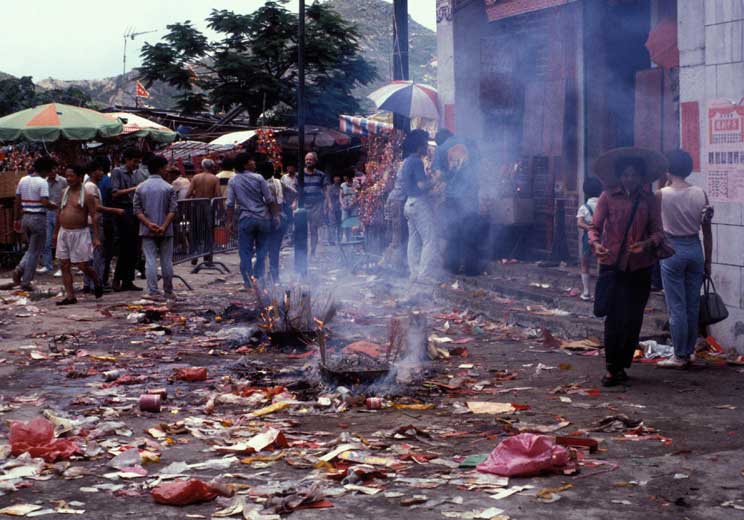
87	216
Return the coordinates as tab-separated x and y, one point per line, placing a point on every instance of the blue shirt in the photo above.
252	194
412	172
156	199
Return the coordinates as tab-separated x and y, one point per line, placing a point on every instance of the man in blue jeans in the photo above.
258	214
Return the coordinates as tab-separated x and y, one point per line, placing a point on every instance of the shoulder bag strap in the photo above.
627	230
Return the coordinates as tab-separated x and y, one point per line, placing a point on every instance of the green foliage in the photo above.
20	93
253	63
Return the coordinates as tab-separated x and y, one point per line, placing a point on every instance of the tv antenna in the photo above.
131	34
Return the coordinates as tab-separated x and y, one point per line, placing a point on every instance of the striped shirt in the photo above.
315	184
32	189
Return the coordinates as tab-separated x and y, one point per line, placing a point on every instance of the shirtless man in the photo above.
72	236
205	185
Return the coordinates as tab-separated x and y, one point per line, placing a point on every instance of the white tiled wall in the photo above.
711	42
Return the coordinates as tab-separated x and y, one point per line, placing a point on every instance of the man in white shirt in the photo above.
31	205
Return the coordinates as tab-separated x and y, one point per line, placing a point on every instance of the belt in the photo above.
42	212
683	236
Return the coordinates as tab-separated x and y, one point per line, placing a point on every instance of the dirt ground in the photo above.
680	453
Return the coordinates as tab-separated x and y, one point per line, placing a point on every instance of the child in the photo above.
348	204
592	191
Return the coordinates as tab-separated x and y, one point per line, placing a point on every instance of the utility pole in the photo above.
400	54
300	233
130	34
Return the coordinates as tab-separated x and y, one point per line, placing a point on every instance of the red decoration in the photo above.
268	145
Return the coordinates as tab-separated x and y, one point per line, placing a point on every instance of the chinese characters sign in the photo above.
723	157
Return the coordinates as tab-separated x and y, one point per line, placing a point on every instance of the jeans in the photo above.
253	235
47	258
683	275
161	247
274	247
423	254
35	227
622	326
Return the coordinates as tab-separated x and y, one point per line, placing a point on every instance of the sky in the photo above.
83	39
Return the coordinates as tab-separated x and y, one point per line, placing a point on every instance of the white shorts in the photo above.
74	245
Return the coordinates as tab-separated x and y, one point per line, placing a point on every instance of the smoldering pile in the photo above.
294	317
365	362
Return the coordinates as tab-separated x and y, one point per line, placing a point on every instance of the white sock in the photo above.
585	278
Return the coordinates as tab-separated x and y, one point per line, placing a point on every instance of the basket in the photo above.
9	181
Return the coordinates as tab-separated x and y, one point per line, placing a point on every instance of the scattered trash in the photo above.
36	438
191	374
149	403
525	454
184	492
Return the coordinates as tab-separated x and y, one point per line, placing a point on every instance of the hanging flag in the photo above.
192	74
141	91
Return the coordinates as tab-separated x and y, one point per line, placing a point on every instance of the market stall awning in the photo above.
356	125
315	137
189	149
139	126
235	138
53	121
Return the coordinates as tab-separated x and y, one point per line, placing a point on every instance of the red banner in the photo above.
141	91
690	116
499	9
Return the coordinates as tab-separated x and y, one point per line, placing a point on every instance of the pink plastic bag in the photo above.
36	437
524	455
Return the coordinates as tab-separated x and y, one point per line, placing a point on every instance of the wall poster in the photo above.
723	152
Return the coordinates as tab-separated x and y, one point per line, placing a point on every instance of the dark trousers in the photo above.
129	250
623	323
465	234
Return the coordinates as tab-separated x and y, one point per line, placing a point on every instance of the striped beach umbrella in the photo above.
408	99
53	121
139	126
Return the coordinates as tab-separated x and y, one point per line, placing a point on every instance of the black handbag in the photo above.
712	308
604	291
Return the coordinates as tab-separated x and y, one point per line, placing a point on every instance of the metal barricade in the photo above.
200	231
222	242
192	230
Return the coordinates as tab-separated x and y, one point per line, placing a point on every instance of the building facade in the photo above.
545	86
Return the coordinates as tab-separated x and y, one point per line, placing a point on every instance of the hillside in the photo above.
374	19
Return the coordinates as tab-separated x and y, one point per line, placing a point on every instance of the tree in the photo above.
253	65
16	94
20	93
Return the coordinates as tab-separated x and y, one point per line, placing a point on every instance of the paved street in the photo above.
670	443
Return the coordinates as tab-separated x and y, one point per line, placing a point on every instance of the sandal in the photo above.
68	301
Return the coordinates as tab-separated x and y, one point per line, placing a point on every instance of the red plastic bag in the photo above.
191	374
524	455
36	438
183	493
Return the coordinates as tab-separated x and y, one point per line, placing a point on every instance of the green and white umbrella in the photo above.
55	121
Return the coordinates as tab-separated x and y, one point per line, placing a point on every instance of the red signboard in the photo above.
499	9
690	116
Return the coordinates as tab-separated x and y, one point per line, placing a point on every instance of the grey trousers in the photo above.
424	257
35	227
154	248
